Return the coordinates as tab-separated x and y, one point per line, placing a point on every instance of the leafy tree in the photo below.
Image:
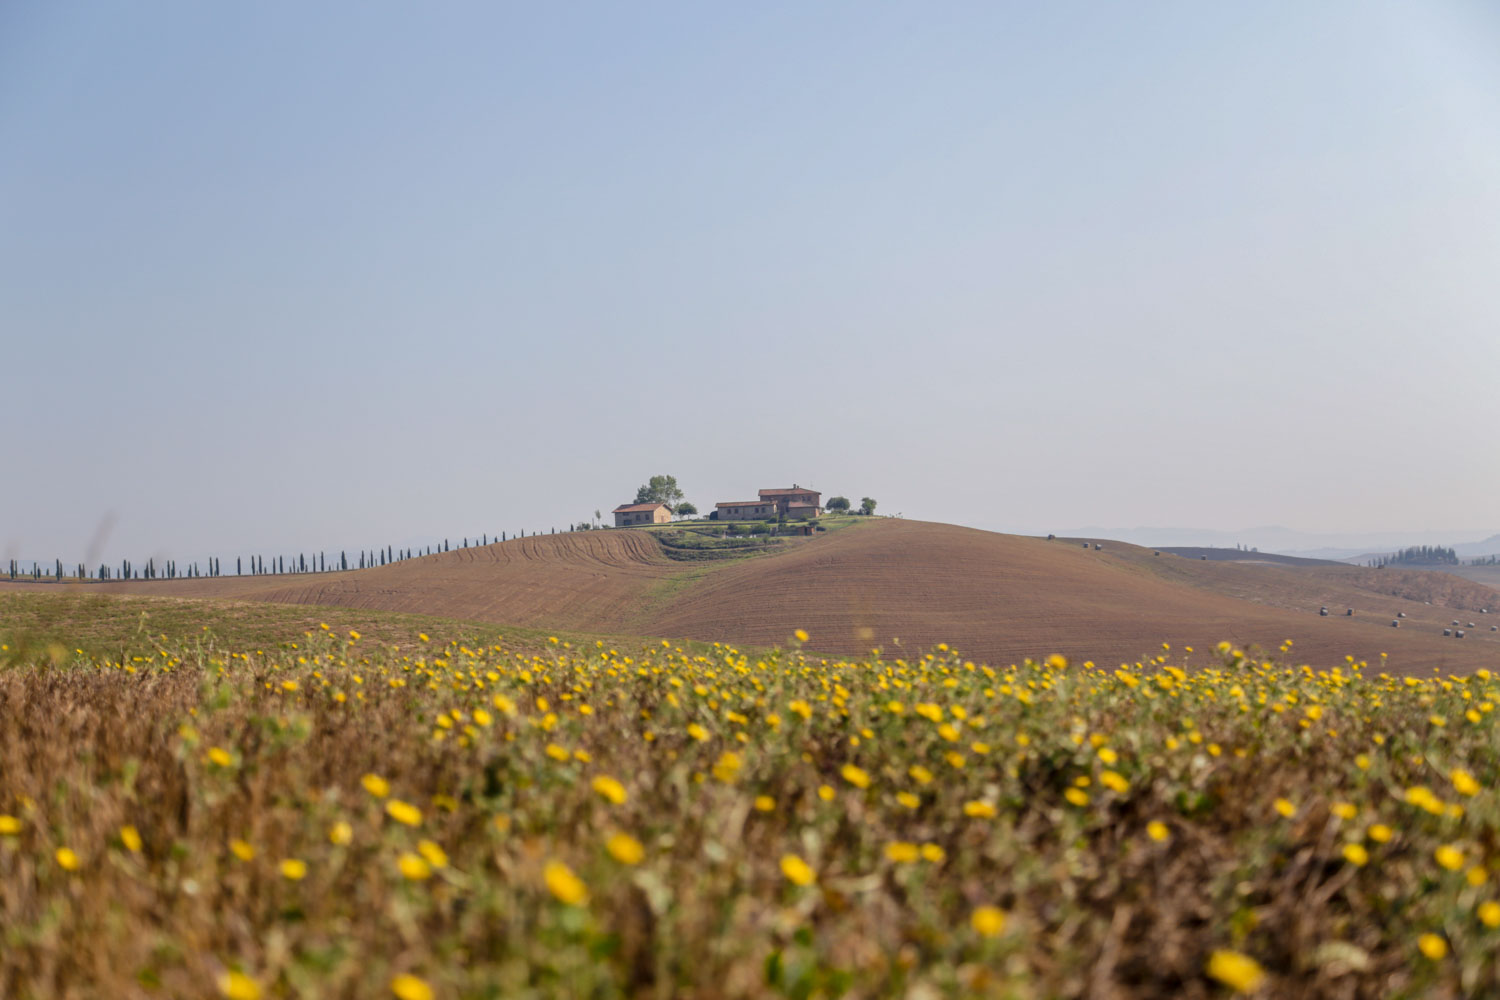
660	489
686	510
838	503
867	505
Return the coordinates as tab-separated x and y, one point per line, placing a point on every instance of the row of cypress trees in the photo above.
258	565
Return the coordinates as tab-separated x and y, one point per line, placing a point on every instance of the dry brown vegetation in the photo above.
334	820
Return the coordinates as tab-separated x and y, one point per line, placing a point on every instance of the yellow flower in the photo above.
1285	808
1157	830
982	810
9	826
610	789
1077	796
1344	810
764	803
67	859
856	776
1489	914
409	987
242	849
697	732
920	774
933	853
1476	876
563	884
238	986
413	867
1433	946
403	812
1107	755
556	752
826	793
220	756
1240	973
341	833
796	870
432	853
1114	781
1464	782
376	785
1356	855
131	838
901	851
1449	857
293	869
1380	833
801	635
625	849
988	921
908	800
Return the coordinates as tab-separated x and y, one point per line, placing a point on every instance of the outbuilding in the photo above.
641	513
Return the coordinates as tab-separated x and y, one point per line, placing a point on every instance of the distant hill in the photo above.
1310	545
1244	555
906	585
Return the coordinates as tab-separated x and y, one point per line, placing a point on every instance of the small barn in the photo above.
641	513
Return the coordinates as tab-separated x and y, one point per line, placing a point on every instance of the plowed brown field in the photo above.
907	585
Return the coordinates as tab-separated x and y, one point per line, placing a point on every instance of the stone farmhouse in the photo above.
641	513
796	503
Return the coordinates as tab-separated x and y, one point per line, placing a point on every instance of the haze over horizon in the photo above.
278	278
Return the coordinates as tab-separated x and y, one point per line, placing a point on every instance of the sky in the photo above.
278	277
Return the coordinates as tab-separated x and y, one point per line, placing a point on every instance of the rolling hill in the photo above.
906	585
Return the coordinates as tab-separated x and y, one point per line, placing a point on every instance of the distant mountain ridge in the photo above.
1308	545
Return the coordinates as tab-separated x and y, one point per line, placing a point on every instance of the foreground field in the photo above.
336	818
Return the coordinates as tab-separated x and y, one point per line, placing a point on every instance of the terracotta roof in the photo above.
743	503
630	508
794	489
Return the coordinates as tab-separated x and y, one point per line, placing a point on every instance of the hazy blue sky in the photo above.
281	276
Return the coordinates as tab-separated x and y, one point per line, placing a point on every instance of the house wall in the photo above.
750	512
658	516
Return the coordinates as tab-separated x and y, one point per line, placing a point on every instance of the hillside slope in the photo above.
908	585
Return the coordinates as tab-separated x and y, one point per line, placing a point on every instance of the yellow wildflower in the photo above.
797	871
238	986
412	867
1239	972
432	853
988	921
564	885
855	776
625	849
610	788
409	987
403	812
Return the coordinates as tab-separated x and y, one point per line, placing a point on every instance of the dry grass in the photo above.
805	827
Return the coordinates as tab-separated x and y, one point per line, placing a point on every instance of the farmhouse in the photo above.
797	502
641	513
745	510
